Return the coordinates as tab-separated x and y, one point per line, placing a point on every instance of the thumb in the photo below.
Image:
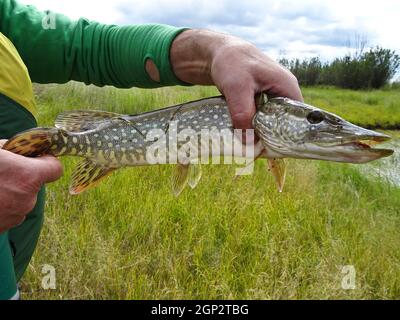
48	168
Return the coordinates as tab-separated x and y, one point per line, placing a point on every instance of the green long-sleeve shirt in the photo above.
57	49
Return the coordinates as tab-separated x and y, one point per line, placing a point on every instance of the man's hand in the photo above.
21	179
236	67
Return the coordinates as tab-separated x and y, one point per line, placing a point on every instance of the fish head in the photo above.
292	129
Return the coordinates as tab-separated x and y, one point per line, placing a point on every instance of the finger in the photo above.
242	107
286	85
49	168
291	89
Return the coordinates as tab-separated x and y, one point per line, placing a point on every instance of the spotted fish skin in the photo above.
121	140
117	144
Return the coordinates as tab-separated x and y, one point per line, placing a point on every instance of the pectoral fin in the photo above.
278	170
180	178
87	175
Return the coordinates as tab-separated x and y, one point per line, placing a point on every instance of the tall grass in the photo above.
129	238
375	109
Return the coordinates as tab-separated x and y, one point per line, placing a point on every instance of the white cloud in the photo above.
298	28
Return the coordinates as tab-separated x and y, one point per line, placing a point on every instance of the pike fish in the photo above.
285	128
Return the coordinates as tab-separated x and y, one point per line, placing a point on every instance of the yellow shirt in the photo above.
15	82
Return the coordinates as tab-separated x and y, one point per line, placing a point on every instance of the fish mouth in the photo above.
365	142
361	149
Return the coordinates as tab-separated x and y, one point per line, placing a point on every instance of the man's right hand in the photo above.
21	179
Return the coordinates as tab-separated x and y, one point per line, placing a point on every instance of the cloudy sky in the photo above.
291	27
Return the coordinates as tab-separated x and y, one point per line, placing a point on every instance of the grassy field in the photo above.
130	238
371	109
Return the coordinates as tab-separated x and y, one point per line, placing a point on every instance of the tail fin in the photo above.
34	142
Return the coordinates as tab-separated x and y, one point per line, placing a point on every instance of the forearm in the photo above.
208	57
193	53
85	50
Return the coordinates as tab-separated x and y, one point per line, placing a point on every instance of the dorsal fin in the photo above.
82	120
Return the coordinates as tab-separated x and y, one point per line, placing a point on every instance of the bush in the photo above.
308	72
365	70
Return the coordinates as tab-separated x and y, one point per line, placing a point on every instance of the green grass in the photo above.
371	109
129	238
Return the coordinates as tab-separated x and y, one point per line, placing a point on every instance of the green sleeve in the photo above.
57	49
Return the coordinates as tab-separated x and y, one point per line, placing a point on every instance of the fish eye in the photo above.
315	117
